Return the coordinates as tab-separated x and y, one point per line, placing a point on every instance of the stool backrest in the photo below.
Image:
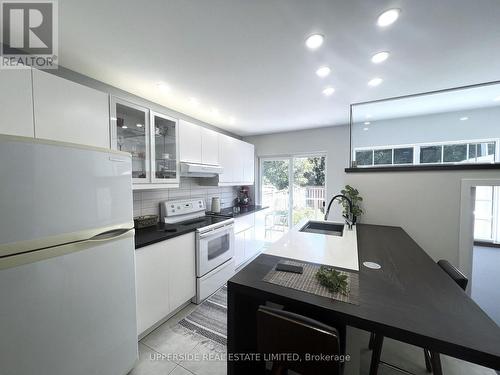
282	332
454	273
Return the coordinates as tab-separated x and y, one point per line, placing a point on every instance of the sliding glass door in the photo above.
294	189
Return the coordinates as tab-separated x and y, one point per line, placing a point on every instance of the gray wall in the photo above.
482	123
425	204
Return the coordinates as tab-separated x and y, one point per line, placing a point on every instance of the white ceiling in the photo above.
247	57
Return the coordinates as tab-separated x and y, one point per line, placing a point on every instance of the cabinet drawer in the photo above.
244	222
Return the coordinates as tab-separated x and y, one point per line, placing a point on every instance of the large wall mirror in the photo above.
445	128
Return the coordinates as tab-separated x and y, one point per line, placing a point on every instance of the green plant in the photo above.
332	279
353	195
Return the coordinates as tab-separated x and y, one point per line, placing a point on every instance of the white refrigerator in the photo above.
67	272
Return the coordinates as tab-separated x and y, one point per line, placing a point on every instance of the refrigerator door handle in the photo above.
110	234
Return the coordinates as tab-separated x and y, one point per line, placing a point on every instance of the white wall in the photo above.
425	204
483	123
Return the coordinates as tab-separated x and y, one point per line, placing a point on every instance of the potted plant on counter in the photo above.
353	195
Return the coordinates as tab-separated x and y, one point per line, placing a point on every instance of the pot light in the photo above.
194	101
380	57
163	86
465	118
323	71
124	127
375	82
367	122
388	17
328	91
232	120
497	99
365	129
314	41
139	125
214	111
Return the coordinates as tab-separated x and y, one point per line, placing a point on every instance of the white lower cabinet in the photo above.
165	279
248	229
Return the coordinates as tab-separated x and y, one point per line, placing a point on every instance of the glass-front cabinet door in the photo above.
164	150
130	133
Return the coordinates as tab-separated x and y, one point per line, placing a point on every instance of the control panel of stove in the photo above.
184	207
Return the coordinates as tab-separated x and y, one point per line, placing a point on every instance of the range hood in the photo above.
200	170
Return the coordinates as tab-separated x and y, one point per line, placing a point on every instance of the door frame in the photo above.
466	229
290	158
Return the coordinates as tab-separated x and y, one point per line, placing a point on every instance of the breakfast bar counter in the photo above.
409	299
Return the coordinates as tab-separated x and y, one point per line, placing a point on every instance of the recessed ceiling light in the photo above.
380	57
124	127
139	125
323	71
163	86
388	17
367	122
214	111
194	101
365	129
328	91
497	99
314	41
465	118
375	82
232	120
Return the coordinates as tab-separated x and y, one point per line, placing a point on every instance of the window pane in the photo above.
486	152
482	230
364	157
472	152
403	155
308	188
430	154
483	210
454	153
382	156
484	193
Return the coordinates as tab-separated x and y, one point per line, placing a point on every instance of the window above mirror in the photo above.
446	129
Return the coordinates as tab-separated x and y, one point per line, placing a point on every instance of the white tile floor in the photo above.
174	351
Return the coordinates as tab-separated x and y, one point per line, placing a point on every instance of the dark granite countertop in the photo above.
228	211
160	232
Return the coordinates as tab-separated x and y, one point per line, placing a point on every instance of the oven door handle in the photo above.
216	231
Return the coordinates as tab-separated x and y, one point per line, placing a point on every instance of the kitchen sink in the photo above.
323	227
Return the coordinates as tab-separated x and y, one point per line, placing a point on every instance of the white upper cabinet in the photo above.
189	142
248	163
197	144
226	155
236	160
69	112
16	103
130	132
209	147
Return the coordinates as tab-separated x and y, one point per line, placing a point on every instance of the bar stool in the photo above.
283	332
432	359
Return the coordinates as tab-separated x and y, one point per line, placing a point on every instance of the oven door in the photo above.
214	248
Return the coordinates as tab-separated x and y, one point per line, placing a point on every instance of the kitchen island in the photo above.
409	299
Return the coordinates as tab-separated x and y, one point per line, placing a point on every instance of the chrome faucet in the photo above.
350	219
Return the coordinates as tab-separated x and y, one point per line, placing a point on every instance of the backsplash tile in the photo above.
147	202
